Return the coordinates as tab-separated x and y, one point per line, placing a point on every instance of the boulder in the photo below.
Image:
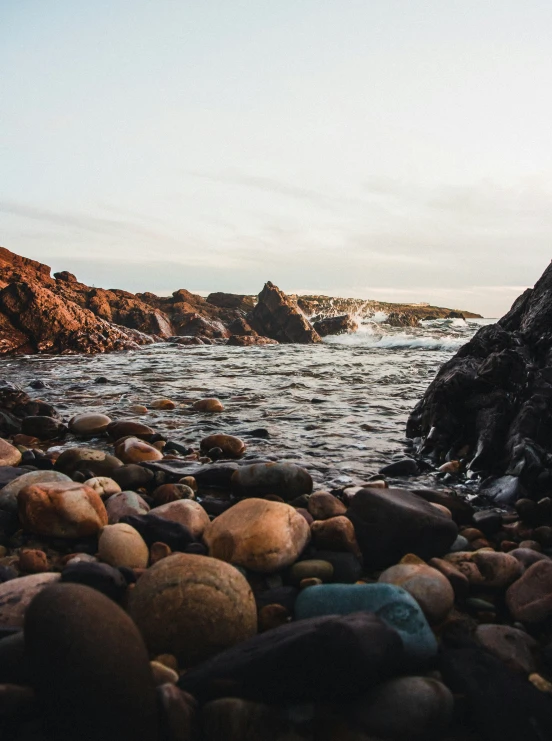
278	317
17	594
192	607
103	485
258	534
187	512
286	480
389	523
529	599
122	545
134	450
344	324
89	424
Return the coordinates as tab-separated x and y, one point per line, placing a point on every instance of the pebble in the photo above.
258	534
322	570
171	492
98	462
33	561
9	454
102	686
89	424
163	674
189	481
103	485
128	427
17	594
286	480
187	512
193	607
125	503
207	405
335	534
134	450
163	404
323	505
138	409
122	545
429	587
8	495
230	446
272	616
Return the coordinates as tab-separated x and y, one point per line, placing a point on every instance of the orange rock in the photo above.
207	405
133	450
9	455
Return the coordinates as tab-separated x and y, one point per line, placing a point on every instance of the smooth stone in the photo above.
171	493
505	490
405	467
45	428
347	567
323	505
406	708
193	607
187	512
311	568
98	462
33	561
89	424
460	544
61	510
335	534
103	485
207	405
90	668
458	581
100	576
17	594
8	495
258	534
394	605
10	473
122	545
128	427
526	556
125	503
138	409
286	480
462	512
163	404
158	529
319	659
178	712
390	523
529	599
514	647
163	674
231	447
159	551
131	477
431	589
491	569
134	450
9	454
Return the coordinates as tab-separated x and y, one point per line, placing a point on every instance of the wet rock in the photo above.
133	450
132	477
335	534
129	428
158	529
44	428
171	493
278	317
125	503
529	599
187	512
100	662
240	340
100	576
390	523
318	659
431	589
462	512
504	490
17	594
231	447
103	485
258	534
395	606
286	480
8	495
322	505
163	404
89	424
9	455
335	325
122	545
98	462
193	607
425	709
207	405
61	510
512	646
311	568
406	467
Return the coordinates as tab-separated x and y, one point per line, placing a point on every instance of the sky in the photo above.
390	149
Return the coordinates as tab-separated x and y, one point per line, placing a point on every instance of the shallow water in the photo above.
339	407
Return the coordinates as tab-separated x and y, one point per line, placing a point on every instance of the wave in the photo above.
399	341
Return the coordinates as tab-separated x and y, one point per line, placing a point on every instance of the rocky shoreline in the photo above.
152	590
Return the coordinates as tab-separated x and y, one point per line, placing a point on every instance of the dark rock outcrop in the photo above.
231	301
335	325
492	402
278	317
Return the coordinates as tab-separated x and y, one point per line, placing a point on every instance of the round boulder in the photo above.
103	485
8	495
187	512
122	545
133	450
232	447
89	424
207	405
429	587
193	607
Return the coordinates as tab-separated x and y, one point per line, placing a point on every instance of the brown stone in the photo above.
17	594
163	404
122	545
9	455
207	405
429	587
171	493
133	450
89	424
323	505
128	427
33	561
278	317
272	616
187	512
335	534
529	599
231	446
158	551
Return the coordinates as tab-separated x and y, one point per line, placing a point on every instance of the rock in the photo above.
158	529
431	589
527	557
159	551
335	325
286	480
241	340
98	462
171	493
272	616
177	713
133	450
61	510
347	567
128	428
9	455
231	300
8	495
125	503
335	534
486	568
132	477
103	485
17	594
394	605
138	409
42	427
100	576
258	534
311	568
392	522
462	512
278	317
100	663
512	646
187	512
232	447
233	719
406	467
458	581
89	424
207	405
322	505
529	599
33	561
193	607
163	674
122	545
318	659
505	490
163	404
406	708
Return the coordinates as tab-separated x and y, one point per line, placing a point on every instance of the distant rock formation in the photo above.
335	325
491	404
277	316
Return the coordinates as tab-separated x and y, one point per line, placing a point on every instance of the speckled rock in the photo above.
171	493
9	454
125	503
61	510
187	512
102	686
8	495
286	480
529	599
258	534
232	447
17	594
122	545
89	424
193	607
429	587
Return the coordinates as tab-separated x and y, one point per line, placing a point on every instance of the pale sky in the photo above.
389	149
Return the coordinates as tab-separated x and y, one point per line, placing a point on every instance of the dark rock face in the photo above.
335	325
231	301
278	317
494	397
